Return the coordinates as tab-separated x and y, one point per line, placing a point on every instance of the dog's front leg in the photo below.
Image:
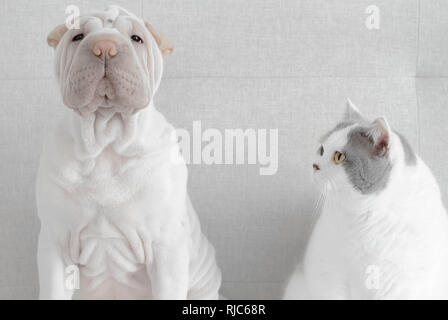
169	271
52	277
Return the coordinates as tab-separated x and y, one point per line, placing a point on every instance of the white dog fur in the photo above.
111	187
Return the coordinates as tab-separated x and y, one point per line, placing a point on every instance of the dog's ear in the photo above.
164	44
55	36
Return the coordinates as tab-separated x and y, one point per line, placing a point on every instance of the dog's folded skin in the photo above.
111	187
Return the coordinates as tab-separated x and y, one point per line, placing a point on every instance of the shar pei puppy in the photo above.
116	219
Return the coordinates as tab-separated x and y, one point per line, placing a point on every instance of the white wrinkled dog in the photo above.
111	187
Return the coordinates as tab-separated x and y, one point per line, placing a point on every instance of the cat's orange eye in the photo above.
338	157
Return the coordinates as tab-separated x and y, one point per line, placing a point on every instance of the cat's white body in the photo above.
391	244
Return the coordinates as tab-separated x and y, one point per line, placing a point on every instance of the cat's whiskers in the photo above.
320	202
331	185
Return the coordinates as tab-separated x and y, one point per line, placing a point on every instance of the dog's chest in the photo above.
106	170
108	180
106	254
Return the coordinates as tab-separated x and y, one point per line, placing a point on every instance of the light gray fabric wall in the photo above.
237	64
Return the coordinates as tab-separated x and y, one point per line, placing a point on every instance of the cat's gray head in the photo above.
360	155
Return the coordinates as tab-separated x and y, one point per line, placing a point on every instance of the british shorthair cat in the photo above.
383	230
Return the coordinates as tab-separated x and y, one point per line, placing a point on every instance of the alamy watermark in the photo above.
72	279
72	19
373	277
373	19
230	146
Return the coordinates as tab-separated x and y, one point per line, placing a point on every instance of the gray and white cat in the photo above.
383	230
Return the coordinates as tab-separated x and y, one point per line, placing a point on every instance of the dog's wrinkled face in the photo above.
113	61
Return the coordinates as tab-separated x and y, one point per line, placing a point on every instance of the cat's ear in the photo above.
379	134
352	113
56	35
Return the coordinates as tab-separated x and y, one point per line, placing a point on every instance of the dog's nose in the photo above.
316	167
106	47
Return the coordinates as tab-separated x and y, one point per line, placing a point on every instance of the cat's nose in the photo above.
316	167
105	47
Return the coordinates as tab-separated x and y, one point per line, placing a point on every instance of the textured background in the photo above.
237	64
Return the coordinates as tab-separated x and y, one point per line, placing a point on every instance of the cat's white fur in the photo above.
387	245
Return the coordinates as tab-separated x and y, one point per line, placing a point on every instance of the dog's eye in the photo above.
136	38
78	37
